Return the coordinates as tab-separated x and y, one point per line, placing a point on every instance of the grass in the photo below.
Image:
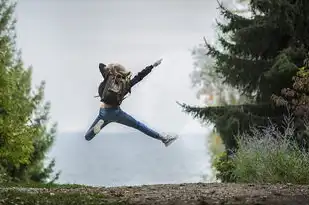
14	197
271	156
53	194
40	185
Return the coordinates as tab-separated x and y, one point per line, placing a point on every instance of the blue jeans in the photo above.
108	115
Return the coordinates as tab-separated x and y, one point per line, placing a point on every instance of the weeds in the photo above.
269	155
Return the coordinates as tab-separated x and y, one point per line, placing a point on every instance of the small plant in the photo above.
224	167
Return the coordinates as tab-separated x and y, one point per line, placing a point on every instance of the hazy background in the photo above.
65	41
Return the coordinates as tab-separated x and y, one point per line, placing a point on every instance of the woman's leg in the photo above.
126	119
96	126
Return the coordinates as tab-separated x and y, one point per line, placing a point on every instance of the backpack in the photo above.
115	86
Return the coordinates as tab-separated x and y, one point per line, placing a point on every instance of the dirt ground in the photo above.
201	194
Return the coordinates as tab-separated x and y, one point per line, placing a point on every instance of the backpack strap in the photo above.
126	96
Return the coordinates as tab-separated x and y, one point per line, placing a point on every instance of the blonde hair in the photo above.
119	68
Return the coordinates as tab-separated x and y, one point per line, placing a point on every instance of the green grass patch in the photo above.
41	185
15	197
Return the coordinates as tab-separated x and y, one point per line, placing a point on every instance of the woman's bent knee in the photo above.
89	136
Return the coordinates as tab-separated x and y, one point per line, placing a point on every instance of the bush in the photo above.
224	168
270	156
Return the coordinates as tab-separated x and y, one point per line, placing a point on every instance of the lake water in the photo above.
116	159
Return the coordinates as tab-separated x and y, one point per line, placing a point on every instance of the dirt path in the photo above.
185	194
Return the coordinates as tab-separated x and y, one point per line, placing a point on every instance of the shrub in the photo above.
269	156
224	168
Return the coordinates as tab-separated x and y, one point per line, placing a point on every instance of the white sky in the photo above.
65	41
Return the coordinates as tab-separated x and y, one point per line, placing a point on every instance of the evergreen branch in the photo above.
254	111
235	21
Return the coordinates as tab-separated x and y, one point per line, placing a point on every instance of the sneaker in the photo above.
168	140
97	127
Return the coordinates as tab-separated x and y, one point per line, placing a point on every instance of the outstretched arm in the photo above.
142	74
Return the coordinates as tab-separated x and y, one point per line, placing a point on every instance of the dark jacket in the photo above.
136	79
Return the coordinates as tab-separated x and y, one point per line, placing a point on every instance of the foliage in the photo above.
224	168
231	120
209	83
258	55
215	143
271	156
297	99
25	136
252	65
214	93
266	155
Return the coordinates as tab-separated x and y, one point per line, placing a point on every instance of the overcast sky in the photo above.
65	40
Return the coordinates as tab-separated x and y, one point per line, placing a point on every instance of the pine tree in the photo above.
25	135
258	55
